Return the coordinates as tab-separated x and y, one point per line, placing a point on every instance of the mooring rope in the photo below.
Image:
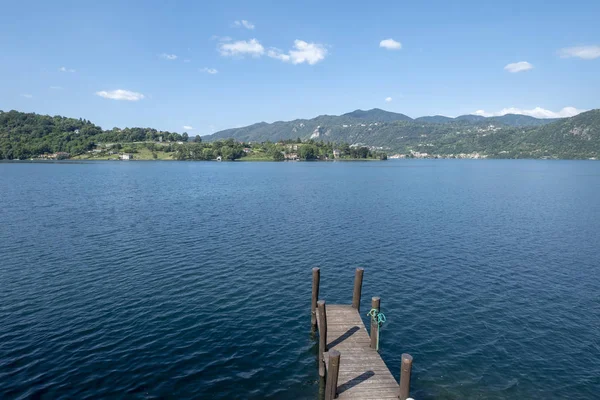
379	318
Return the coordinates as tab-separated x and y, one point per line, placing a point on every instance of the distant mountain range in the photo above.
507	136
24	135
379	115
329	124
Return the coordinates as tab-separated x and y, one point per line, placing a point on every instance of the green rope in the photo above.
379	318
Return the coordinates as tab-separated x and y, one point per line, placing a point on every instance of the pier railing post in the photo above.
405	371
322	315
316	277
332	375
375	304
358	278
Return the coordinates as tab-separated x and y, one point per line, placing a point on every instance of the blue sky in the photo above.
170	64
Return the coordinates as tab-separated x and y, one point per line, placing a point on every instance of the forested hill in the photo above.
509	136
348	126
23	135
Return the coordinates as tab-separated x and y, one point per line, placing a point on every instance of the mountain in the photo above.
377	114
507	119
521	120
507	136
24	135
470	118
435	119
575	137
349	127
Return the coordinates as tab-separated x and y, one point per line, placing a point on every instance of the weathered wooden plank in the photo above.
362	373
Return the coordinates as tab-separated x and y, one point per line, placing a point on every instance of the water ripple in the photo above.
192	280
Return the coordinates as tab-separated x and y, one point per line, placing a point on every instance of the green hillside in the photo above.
25	135
509	136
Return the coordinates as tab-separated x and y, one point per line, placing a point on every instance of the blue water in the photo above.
192	279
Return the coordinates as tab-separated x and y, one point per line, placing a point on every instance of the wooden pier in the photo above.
348	357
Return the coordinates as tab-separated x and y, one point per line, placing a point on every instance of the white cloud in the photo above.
170	57
388	99
242	47
584	52
211	71
310	53
27	96
188	128
518	67
537	112
390	44
56	87
277	54
303	52
120	94
65	69
243	24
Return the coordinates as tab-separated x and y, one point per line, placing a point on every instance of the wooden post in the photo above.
405	376
322	335
358	278
332	375
316	277
375	303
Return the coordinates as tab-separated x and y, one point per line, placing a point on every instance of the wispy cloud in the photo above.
56	87
518	67
221	38
250	47
211	71
583	52
65	69
390	44
244	24
303	52
27	95
536	112
388	99
120	94
170	57
188	128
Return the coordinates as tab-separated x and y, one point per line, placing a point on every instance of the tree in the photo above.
277	155
227	153
184	137
198	139
308	152
207	153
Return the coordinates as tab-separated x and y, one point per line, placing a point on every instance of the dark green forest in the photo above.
25	135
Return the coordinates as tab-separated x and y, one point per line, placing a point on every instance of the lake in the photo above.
193	279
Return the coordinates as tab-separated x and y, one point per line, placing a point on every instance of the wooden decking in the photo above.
362	373
348	357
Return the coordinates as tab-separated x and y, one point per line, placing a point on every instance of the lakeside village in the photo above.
290	152
416	154
224	150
